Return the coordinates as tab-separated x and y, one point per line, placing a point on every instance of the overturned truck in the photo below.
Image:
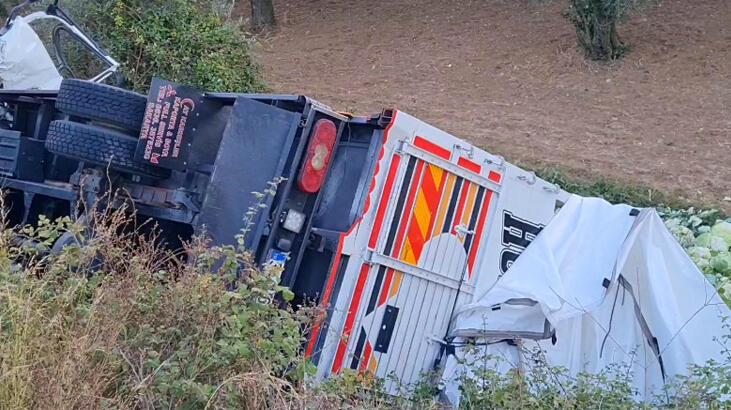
384	220
398	229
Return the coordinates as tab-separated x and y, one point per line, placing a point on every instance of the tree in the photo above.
4	12
262	14
184	41
596	26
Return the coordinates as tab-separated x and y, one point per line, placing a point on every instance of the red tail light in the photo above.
319	153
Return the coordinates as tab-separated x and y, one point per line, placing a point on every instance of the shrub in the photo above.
538	385
185	41
120	323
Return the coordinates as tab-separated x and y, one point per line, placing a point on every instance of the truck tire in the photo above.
99	146
70	238
103	103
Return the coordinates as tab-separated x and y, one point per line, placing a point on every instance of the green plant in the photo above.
353	389
190	42
121	323
703	234
612	191
41	237
704	386
538	385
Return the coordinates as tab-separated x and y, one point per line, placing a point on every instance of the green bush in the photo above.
186	41
541	386
119	323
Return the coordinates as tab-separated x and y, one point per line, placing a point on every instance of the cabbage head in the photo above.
722	263
723	229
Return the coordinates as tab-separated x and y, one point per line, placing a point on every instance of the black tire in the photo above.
66	240
103	103
99	146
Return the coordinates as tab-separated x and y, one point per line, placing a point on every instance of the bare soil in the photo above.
507	76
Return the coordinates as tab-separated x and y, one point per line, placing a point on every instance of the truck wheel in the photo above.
69	239
103	103
99	146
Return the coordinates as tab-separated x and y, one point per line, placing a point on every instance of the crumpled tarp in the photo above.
24	61
602	285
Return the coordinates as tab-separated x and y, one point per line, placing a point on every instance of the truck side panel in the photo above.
426	241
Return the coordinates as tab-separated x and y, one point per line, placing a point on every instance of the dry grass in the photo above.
121	323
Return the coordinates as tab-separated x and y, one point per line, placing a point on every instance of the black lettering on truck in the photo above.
516	236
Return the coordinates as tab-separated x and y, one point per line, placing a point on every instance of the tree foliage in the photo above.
180	40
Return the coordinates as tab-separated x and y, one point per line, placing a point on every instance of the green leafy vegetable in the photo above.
723	230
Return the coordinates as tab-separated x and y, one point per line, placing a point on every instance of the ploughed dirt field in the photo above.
507	76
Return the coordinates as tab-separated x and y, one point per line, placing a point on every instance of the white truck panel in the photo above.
442	218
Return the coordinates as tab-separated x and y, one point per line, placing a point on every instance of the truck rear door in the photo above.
445	217
421	263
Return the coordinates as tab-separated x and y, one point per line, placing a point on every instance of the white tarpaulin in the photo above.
601	285
24	60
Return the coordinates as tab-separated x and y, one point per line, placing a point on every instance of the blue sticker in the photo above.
278	257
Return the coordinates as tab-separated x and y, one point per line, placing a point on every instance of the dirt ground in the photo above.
507	76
